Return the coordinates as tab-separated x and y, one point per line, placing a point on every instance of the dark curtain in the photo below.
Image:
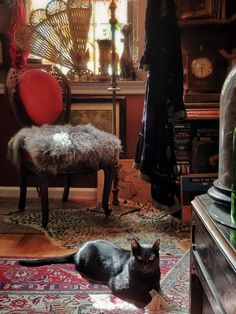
163	103
18	57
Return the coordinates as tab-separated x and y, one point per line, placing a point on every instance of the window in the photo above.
99	27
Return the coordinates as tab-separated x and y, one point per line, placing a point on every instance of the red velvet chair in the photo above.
47	145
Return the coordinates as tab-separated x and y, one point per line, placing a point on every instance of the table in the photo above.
213	261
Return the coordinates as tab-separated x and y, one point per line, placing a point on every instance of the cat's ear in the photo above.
134	244
156	245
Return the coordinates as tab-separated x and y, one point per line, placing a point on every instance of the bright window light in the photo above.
99	27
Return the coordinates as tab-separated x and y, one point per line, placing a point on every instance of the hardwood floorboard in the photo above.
33	245
30	245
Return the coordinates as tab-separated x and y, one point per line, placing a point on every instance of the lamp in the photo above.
113	88
113	21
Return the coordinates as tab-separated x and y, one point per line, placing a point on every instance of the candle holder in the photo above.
104	46
113	89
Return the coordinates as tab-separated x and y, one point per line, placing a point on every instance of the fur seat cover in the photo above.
57	148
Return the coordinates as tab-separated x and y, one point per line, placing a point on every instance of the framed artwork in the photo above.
98	112
1	50
194	8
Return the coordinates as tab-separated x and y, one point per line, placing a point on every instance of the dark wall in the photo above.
5	22
8	175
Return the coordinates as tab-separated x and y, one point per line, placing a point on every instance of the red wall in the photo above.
134	110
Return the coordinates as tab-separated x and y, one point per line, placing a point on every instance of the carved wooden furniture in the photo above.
213	261
46	145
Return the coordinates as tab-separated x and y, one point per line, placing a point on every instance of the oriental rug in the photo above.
58	289
69	225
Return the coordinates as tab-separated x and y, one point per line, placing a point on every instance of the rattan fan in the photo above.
59	34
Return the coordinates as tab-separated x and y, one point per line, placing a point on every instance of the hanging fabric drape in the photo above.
18	57
163	102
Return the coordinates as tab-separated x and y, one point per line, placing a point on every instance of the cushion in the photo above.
40	95
59	148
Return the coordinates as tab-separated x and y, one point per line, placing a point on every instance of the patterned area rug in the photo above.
69	226
58	289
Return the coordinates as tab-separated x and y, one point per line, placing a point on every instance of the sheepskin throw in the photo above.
57	148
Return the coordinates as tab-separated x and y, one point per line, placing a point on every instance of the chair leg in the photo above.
43	183
23	189
106	190
66	189
115	190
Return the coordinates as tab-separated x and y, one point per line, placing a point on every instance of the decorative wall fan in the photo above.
59	34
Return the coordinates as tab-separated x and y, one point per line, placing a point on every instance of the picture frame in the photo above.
1	51
194	9
98	112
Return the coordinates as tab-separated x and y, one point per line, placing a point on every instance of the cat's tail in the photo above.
48	260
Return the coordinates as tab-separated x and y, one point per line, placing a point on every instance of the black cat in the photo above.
130	274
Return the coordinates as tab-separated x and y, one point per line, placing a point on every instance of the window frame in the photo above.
136	16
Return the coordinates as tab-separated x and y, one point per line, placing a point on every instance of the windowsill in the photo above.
101	88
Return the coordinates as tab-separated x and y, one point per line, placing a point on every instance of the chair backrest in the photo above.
38	96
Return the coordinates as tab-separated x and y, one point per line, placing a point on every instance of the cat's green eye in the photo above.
139	257
151	258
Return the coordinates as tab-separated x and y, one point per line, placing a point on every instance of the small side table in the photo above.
213	262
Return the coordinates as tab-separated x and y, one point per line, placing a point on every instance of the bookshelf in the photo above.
197	152
212	10
207	22
207	29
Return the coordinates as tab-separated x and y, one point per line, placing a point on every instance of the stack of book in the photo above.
205	150
202	99
183	147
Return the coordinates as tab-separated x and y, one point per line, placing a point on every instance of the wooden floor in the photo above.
38	245
34	245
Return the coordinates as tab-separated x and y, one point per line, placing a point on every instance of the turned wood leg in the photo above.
66	189
23	188
43	183
106	190
115	189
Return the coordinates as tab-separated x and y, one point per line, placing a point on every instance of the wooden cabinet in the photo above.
213	262
208	48
207	35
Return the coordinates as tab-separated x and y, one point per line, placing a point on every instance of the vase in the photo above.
126	61
104	46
